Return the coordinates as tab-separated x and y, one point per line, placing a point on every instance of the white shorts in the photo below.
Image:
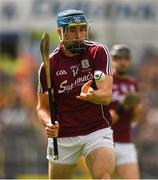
72	148
125	153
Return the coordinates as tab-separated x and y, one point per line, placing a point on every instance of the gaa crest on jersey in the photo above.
85	63
61	72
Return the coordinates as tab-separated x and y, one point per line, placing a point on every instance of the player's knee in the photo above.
105	174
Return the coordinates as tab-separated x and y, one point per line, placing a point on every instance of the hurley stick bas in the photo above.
44	46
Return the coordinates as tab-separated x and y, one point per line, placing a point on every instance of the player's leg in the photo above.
128	171
69	154
101	163
60	171
99	153
82	168
126	161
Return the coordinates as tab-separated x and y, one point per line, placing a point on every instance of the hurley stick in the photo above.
44	46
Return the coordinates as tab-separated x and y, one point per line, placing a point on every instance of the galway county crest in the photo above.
85	63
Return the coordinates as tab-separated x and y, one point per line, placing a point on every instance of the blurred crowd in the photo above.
22	143
22	138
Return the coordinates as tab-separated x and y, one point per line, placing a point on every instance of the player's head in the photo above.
72	29
121	56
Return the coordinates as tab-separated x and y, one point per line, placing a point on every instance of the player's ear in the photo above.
59	31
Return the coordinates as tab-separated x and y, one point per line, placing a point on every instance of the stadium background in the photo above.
22	23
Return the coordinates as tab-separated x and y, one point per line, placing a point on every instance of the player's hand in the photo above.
131	101
139	108
86	90
52	130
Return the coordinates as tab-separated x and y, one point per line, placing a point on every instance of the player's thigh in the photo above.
128	171
60	171
125	153
101	162
126	160
69	150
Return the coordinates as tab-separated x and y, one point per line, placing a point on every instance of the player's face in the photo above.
121	64
75	33
74	37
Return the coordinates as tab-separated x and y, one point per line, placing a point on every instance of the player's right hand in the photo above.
52	130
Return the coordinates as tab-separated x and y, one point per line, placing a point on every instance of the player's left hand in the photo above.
86	91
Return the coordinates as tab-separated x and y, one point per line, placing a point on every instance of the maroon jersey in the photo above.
68	74
122	128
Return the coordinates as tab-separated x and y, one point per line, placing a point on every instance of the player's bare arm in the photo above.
114	115
103	93
44	116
